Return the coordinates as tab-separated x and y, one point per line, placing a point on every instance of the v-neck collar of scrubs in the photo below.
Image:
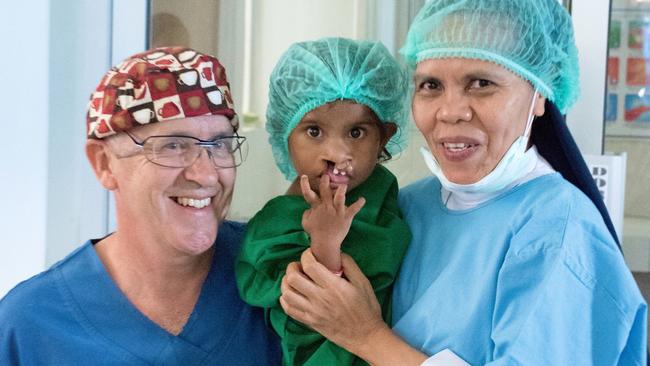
107	313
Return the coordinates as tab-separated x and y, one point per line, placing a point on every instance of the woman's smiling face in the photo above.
470	112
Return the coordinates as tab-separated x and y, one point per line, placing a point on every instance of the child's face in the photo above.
341	139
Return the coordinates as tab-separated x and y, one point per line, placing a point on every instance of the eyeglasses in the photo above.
175	151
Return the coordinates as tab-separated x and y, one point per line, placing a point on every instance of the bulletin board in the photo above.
627	107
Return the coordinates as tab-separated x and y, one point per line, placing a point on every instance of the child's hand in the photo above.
328	220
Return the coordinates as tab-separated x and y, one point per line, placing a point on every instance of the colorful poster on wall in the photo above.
611	108
614	40
638	71
627	104
638	33
637	109
613	70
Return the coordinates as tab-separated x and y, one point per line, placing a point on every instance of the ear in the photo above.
389	131
538	109
99	157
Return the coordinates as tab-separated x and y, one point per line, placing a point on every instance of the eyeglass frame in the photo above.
206	144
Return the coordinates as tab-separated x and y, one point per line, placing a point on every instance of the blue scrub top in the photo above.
532	277
74	314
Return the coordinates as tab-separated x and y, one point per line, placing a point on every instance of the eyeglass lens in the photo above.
182	151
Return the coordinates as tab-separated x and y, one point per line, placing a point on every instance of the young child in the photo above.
336	108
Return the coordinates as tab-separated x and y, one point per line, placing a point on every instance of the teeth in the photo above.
338	172
456	146
197	203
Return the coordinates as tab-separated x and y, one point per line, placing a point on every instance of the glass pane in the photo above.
627	120
185	23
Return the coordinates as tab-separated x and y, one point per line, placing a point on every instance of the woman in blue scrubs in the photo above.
513	259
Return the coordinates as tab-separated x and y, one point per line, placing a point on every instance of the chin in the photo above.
198	242
461	178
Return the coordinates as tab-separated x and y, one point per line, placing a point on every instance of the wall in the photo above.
52	201
636	223
24	126
274	26
585	119
80	51
186	23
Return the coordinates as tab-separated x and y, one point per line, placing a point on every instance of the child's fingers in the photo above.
310	196
325	190
355	207
339	197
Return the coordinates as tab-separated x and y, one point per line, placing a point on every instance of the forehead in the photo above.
203	127
462	67
341	112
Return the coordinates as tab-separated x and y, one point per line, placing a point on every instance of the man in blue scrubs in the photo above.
160	290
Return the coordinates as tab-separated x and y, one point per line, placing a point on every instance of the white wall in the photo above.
586	118
52	202
80	50
274	26
24	124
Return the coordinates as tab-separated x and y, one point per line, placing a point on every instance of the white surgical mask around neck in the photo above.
516	162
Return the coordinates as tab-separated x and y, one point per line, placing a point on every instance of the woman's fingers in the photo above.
353	273
310	196
318	273
295	305
342	311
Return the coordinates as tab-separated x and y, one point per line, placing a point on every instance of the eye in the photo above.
429	85
480	84
313	131
224	144
219	145
357	133
173	145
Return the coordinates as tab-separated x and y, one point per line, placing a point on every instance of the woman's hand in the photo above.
344	310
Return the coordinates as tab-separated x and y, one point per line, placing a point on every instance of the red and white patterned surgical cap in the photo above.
162	84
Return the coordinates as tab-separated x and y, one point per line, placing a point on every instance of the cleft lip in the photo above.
337	176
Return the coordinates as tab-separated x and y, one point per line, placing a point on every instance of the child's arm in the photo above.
328	220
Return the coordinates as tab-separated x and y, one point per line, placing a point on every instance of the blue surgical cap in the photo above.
311	74
531	38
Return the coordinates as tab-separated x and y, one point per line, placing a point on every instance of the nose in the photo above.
202	171
338	151
454	107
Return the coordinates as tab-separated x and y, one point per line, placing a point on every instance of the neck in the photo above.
163	286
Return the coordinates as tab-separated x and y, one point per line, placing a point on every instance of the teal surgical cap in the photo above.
311	74
531	38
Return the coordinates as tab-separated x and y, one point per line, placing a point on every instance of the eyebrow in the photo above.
471	75
474	75
366	122
421	77
216	135
307	120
